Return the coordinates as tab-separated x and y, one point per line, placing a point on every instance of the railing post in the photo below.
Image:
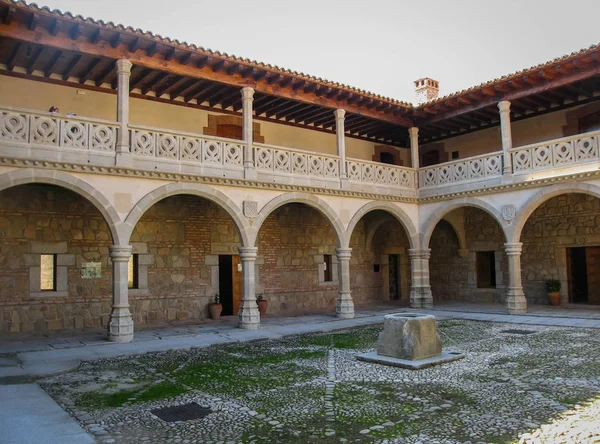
414	152
340	141
123	157
504	108
247	99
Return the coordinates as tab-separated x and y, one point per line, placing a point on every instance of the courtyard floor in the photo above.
542	386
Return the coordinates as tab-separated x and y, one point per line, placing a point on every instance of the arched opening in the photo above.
297	267
561	241
468	263
380	265
185	251
55	269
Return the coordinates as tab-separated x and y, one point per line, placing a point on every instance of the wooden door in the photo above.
592	256
236	279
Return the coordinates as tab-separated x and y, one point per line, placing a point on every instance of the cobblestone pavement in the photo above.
538	387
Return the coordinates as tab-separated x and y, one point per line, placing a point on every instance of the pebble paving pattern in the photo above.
537	388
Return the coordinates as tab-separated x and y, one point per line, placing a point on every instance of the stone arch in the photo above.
391	209
29	176
199	190
307	199
434	219
545	194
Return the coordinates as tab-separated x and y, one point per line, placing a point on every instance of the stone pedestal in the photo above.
409	336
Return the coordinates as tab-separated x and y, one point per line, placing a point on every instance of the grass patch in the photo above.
94	400
162	390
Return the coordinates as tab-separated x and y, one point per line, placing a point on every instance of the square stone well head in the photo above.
410	336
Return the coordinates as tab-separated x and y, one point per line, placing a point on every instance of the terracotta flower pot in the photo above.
215	310
262	306
554	298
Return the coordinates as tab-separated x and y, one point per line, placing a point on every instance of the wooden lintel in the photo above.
144	58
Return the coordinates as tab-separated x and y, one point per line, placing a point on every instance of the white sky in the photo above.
377	45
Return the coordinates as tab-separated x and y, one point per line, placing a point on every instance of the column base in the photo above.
515	301
420	297
344	308
124	160
120	325
249	316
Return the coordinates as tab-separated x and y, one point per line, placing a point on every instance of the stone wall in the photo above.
453	276
570	220
37	219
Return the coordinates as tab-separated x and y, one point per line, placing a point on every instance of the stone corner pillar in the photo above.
413	132
123	157
515	297
120	324
504	107
247	99
340	142
344	307
248	316
420	290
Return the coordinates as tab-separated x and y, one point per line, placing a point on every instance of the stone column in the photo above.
247	99
123	75
515	297
249	317
340	141
504	108
414	147
344	307
420	290
120	324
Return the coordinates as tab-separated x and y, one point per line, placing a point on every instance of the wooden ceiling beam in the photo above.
96	36
89	70
182	88
219	96
266	104
317	116
110	68
115	40
151	50
75	31
203	94
274	78
15	31
230	99
138	75
307	108
194	87
12	60
156	80
7	17
326	120
280	110
134	45
167	89
201	63
34	19
33	59
185	58
72	64
52	61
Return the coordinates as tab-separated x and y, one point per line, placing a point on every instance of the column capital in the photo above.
343	253
414	253
247	93
504	106
120	253
339	113
248	253
513	249
124	66
413	131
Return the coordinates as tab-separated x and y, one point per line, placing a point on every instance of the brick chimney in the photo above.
426	90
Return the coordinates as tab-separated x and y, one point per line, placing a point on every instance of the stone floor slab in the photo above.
375	358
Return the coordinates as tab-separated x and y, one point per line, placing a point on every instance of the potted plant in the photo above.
553	288
262	304
215	308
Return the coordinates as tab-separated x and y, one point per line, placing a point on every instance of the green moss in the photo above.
163	390
95	400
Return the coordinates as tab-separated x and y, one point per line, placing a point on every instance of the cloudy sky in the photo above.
377	45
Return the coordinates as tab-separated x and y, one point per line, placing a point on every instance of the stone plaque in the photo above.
250	208
509	212
91	270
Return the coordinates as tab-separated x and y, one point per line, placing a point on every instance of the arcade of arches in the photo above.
186	249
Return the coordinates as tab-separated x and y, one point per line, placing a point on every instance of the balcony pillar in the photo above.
414	147
248	316
247	99
340	141
344	307
123	74
515	297
504	108
420	290
120	324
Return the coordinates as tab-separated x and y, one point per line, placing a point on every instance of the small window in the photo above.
327	276
486	269
48	272
132	272
375	268
388	158
454	155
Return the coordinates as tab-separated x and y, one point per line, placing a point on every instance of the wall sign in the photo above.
91	270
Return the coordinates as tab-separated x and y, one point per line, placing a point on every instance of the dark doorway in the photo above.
230	283
394	263
431	158
385	157
584	275
226	284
